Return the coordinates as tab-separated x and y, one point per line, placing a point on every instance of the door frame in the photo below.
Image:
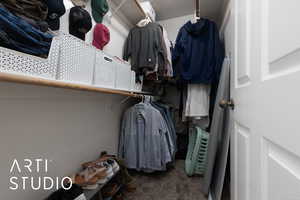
226	19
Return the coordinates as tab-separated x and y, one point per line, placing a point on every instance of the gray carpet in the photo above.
172	185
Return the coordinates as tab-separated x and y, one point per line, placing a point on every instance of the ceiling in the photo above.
166	9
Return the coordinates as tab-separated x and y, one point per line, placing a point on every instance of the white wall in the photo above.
173	25
68	127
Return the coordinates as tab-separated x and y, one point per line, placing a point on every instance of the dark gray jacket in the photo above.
144	46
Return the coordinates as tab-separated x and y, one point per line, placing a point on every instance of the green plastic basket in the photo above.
196	161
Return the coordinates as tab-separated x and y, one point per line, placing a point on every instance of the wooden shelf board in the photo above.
24	79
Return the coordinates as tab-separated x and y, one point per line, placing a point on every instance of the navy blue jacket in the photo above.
198	52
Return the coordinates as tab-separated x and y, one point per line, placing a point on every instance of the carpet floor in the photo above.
171	185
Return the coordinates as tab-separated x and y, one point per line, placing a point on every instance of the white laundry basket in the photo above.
76	61
20	63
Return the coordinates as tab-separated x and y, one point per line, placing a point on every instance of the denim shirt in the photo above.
143	139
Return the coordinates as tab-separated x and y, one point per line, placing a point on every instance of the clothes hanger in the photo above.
195	19
144	21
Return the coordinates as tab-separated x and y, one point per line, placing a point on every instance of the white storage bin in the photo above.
76	63
105	71
133	80
124	76
20	63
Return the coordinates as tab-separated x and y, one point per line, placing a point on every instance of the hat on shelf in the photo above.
81	3
56	9
101	36
99	9
80	22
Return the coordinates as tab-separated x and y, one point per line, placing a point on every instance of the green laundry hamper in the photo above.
196	161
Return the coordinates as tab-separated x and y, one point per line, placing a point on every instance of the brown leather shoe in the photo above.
102	174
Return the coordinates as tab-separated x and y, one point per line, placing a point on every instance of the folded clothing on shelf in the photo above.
33	9
19	35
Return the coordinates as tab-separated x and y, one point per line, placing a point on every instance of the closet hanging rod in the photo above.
15	78
197	8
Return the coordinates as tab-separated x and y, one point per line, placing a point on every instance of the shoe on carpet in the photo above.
89	177
93	163
85	183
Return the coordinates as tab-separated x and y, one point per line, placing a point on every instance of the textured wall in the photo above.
173	25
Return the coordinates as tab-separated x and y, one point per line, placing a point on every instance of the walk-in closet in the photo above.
149	100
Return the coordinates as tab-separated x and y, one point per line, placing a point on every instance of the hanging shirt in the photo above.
197	102
144	45
171	135
143	139
168	63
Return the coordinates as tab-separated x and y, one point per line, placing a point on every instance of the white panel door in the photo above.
265	81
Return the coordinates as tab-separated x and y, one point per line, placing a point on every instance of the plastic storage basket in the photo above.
20	63
76	63
196	159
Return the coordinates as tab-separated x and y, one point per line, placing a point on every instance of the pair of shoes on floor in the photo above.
89	177
104	160
110	165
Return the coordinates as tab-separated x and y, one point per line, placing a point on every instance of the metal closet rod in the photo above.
197	8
